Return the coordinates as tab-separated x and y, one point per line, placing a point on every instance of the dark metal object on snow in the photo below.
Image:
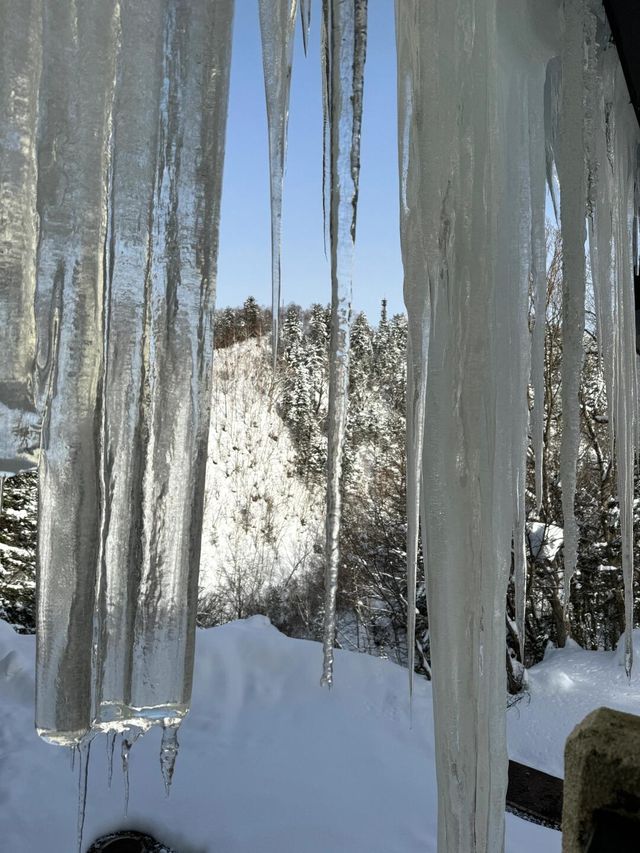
128	841
534	795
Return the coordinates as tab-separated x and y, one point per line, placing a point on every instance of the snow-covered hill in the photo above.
262	522
271	761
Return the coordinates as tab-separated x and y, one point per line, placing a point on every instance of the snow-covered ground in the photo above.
270	761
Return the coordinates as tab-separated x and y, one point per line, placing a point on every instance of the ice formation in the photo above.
305	21
494	96
112	121
343	54
613	203
277	26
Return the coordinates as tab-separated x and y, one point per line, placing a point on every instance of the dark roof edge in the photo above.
624	20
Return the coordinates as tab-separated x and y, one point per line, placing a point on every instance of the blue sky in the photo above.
244	260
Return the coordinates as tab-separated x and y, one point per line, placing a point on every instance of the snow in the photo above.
258	511
266	755
545	540
561	691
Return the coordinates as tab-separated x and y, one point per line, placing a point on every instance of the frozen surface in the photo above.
344	39
263	746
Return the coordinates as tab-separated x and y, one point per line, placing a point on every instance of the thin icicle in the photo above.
344	57
578	30
418	312
84	753
111	745
129	738
305	22
538	272
2	479
277	27
169	747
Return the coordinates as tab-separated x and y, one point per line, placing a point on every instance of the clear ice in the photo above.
344	50
277	27
132	113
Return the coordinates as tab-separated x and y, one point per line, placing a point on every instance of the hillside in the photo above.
263	522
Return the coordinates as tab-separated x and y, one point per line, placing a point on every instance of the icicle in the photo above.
80	47
129	737
612	241
344	57
305	21
572	178
20	71
2	479
127	266
84	752
111	745
277	26
125	750
169	753
471	206
538	272
418	311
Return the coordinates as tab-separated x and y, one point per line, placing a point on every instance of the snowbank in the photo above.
270	761
561	691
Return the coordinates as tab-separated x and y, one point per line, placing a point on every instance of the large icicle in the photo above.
20	65
344	39
578	30
160	291
277	27
471	196
611	240
80	45
129	192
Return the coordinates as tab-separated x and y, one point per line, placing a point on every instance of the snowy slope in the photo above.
261	520
562	690
269	761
